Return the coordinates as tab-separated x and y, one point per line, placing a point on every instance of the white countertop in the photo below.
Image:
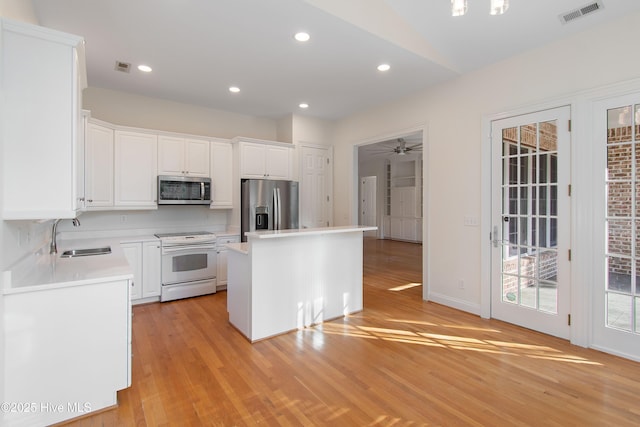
242	248
42	270
270	234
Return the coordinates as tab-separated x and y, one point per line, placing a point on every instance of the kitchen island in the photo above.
284	280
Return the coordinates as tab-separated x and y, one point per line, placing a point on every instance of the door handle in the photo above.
496	241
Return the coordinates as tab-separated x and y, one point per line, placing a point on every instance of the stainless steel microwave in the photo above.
183	190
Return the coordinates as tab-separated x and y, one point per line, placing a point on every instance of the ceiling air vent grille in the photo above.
580	12
123	66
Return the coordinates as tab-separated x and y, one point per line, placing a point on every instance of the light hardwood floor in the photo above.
401	361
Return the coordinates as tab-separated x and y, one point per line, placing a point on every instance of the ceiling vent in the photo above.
572	15
123	66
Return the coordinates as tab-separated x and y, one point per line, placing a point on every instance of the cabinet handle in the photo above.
81	199
90	200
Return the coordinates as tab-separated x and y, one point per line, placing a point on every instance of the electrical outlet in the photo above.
123	218
460	284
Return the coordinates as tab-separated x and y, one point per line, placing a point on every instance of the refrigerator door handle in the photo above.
276	209
279	210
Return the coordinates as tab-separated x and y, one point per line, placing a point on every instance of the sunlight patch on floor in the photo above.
404	287
453	342
420	322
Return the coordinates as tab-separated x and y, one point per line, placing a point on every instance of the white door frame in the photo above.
355	183
582	207
533	317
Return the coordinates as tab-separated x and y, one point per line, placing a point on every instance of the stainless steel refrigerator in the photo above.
268	205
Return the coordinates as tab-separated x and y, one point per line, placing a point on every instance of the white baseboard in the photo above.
455	303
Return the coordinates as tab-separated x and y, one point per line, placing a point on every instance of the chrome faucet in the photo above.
53	248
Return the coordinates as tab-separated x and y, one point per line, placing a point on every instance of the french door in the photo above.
616	290
531	221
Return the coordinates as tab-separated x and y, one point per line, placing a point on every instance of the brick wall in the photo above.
620	157
544	267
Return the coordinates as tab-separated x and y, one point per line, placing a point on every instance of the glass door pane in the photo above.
529	216
622	221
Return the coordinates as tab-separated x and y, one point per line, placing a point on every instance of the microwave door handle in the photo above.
201	190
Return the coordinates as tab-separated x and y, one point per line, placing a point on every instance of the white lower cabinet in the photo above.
144	259
133	253
221	249
151	269
402	228
70	351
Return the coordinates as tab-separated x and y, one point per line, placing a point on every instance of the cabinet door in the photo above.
396	227
99	166
396	201
41	122
221	275
197	157
170	156
133	253
221	174
278	162
409	198
252	160
151	269
135	170
222	252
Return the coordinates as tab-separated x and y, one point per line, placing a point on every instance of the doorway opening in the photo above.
390	185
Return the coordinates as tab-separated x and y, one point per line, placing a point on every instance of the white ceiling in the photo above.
198	48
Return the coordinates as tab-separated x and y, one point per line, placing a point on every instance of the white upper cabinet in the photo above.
98	167
265	159
183	156
43	74
136	183
221	174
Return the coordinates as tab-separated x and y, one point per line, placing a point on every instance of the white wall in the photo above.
453	113
376	167
128	109
19	10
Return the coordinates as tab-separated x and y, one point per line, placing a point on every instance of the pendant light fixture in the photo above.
498	7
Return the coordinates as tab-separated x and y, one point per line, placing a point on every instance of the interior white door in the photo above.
368	203
530	269
616	271
315	188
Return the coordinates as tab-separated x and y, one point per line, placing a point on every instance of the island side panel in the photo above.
337	285
277	292
299	281
239	291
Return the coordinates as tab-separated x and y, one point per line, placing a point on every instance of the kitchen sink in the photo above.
72	253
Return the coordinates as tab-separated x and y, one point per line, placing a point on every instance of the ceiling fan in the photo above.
401	148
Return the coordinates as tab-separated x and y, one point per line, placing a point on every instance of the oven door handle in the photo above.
185	248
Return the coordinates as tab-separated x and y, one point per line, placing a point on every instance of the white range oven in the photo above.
189	264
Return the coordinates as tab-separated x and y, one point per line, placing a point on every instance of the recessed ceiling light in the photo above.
303	105
384	67
302	36
144	68
234	89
